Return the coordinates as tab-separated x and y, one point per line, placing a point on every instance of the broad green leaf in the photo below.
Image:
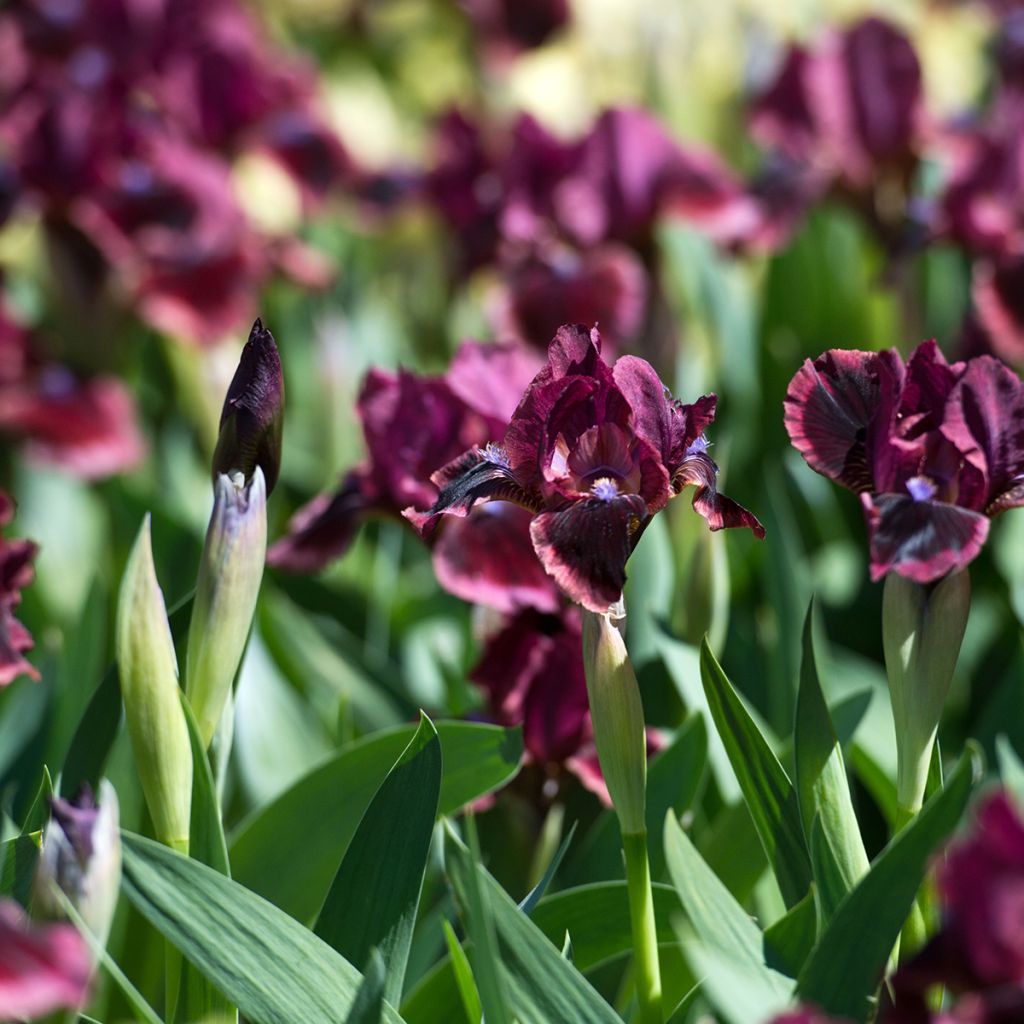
18	859
841	975
312	823
39	812
271	967
674	777
788	942
546	989
463	975
838	858
488	969
766	788
595	916
369	1005
726	934
199	998
374	897
727	984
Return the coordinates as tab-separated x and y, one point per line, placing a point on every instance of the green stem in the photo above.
645	936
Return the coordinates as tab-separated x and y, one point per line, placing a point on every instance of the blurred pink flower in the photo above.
16	572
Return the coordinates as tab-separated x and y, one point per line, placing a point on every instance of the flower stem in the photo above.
645	937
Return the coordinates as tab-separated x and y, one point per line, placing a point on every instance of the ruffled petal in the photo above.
720	511
921	540
491	379
478	475
321	530
649	401
487	558
584	546
830	405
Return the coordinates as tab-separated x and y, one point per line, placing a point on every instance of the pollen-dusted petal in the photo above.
322	529
584	546
477	475
921	540
720	511
830	405
487	558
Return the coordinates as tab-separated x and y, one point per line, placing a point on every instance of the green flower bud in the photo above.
148	672
922	629
81	856
618	719
226	592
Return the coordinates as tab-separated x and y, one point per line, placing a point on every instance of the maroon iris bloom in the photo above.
16	572
507	27
998	293
87	427
934	449
851	104
42	968
592	451
413	424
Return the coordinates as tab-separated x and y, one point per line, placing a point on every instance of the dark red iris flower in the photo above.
592	451
88	427
16	572
934	449
43	968
412	424
851	104
507	27
978	951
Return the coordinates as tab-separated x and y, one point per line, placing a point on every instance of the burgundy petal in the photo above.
487	558
322	530
491	379
585	545
998	293
721	512
829	407
985	421
42	968
649	401
922	540
16	572
688	425
474	476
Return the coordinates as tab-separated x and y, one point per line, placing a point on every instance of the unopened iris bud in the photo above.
81	857
922	628
148	672
226	592
252	417
618	719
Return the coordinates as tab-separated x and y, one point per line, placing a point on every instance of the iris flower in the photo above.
934	449
592	451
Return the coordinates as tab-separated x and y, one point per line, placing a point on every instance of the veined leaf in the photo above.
271	967
369	1005
766	788
788	942
313	821
463	975
730	946
841	975
546	989
373	900
838	858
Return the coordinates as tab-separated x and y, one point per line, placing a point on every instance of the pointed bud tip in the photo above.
251	420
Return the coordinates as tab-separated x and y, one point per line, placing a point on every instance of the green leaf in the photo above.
684	1006
18	859
674	777
726	933
488	970
838	858
1011	768
373	900
369	1005
271	967
90	746
841	975
38	813
313	821
766	788
546	989
533	897
789	941
463	975
199	998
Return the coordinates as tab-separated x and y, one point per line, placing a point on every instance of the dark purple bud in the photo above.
252	418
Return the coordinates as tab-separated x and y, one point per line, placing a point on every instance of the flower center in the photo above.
605	488
921	488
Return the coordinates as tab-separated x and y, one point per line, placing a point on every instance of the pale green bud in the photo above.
81	856
226	592
922	629
148	672
618	719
